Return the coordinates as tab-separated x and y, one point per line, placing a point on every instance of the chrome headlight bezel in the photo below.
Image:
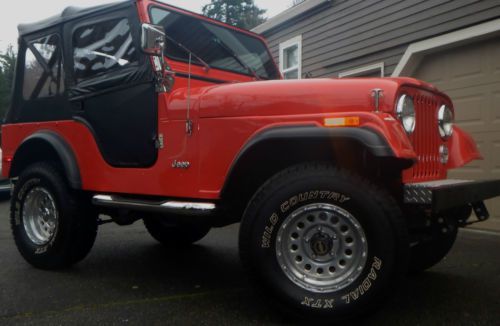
446	122
405	111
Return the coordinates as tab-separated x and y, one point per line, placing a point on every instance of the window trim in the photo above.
296	41
358	72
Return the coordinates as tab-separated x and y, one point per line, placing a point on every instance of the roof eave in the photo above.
287	15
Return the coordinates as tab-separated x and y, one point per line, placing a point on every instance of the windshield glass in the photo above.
214	44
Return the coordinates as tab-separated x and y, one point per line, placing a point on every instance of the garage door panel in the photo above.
472	65
496	54
433	71
496	105
489	147
469	109
495	158
452	69
477	108
494	208
494	205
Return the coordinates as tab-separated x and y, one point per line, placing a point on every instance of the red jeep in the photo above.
143	111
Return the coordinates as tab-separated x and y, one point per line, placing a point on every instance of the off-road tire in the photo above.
304	185
174	235
76	223
427	254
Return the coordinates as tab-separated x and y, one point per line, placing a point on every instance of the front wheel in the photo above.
326	244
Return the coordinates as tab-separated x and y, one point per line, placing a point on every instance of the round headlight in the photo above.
405	111
445	119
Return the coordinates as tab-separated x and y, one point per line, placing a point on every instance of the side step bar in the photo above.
165	207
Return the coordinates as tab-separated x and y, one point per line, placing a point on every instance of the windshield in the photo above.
222	48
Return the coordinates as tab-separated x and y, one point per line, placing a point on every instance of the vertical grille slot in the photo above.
426	139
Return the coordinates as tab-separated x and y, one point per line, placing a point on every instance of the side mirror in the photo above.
153	39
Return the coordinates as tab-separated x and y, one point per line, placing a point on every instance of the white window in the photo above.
374	70
291	58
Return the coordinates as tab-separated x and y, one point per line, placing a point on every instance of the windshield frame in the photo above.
231	28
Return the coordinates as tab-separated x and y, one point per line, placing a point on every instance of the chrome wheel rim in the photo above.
40	216
321	248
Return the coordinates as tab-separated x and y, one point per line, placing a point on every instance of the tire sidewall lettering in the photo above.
351	297
295	202
19	198
369	280
334	196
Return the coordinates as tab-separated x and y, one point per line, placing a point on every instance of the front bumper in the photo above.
448	194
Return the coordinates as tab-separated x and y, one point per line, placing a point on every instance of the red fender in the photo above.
463	149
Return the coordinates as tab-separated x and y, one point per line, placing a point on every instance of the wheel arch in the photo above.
276	149
47	146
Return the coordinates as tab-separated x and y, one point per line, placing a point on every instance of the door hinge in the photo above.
159	142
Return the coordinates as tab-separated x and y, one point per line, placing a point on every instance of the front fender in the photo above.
312	142
371	140
463	149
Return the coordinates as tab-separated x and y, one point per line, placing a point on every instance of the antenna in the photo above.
189	122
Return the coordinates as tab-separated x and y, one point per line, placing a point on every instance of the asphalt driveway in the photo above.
130	279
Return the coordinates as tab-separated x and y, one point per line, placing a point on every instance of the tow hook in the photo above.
481	212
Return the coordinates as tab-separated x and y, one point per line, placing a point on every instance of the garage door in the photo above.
471	76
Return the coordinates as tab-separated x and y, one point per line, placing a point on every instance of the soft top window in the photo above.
43	73
222	48
102	47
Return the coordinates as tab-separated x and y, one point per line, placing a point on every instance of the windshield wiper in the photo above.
229	51
188	51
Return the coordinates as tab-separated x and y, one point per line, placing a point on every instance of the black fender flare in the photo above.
62	149
369	139
375	143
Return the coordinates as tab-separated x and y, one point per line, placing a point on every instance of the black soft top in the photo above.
68	14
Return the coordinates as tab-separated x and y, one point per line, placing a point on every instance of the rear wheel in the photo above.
324	243
174	235
53	226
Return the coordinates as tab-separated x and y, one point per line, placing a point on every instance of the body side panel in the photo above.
211	151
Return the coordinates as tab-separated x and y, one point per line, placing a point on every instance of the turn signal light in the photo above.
342	122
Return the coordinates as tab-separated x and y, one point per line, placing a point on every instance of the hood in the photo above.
290	97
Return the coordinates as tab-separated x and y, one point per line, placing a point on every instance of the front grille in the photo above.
426	139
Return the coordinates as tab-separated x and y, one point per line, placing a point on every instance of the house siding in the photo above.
341	35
